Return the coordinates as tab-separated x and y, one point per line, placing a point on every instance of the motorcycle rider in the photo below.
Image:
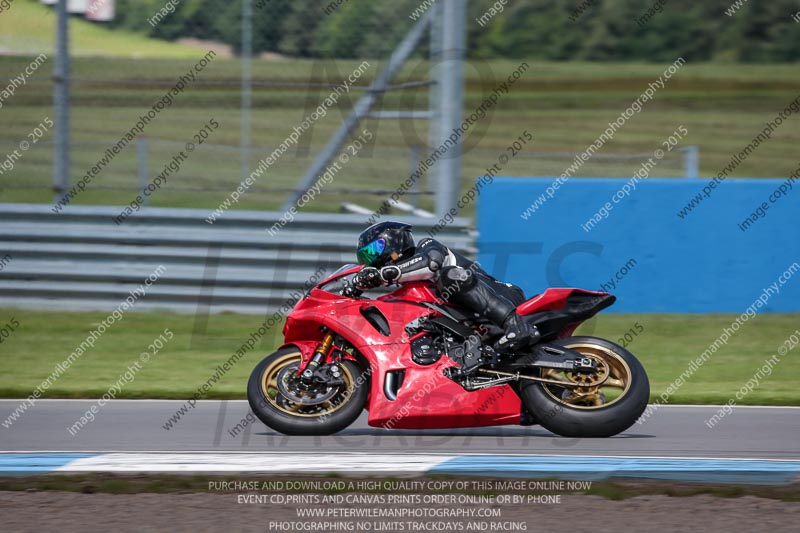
390	255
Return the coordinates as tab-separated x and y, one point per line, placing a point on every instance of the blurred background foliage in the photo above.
607	30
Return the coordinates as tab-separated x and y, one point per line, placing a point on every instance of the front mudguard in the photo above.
306	349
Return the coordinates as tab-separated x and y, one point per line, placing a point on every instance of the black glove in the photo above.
518	334
350	291
367	278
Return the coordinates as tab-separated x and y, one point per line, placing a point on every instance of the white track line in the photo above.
254	462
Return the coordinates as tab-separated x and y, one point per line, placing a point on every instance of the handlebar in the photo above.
350	291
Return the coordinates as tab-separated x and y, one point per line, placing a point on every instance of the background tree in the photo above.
539	29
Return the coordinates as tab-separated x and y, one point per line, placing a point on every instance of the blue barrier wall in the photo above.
642	251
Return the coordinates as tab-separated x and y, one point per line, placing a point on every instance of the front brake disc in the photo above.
291	388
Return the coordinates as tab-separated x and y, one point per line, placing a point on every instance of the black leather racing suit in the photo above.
462	282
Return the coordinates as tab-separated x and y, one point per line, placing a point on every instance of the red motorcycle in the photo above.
415	362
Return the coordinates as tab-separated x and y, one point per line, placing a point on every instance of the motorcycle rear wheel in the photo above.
601	411
280	400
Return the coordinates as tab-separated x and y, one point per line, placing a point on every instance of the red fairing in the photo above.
550	299
426	399
415	292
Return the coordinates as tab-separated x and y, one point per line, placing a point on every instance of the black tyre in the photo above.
599	411
280	401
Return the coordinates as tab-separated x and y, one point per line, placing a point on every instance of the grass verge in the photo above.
665	345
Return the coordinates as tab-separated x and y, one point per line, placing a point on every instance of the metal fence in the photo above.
256	108
257	90
206	174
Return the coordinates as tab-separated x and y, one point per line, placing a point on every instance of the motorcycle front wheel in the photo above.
282	401
603	410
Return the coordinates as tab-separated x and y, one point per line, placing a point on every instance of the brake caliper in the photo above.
328	374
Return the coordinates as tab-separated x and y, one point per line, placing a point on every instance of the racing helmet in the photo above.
382	243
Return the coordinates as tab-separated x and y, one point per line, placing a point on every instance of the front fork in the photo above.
320	353
313	373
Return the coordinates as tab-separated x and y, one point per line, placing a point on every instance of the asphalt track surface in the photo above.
137	426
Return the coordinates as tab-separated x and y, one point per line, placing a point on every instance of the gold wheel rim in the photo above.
616	385
271	392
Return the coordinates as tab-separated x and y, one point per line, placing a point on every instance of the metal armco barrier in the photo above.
81	260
